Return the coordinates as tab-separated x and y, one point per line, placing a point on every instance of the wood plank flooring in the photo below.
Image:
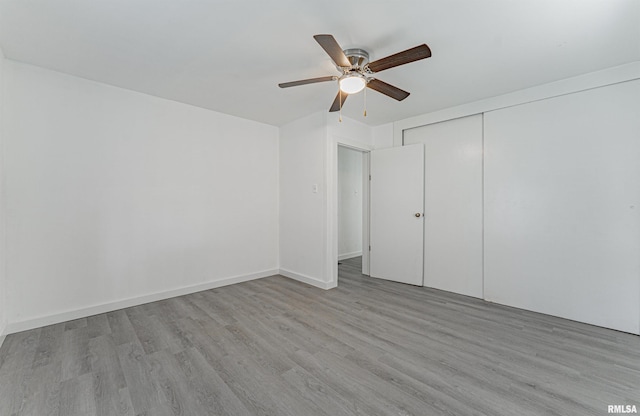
278	347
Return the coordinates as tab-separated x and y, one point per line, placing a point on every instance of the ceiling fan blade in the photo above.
331	47
401	58
336	103
388	89
306	81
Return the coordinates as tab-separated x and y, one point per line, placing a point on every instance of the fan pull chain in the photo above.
365	100
340	93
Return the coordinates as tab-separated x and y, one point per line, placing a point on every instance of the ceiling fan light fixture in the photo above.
352	83
356	71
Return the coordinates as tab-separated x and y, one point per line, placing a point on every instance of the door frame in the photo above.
331	263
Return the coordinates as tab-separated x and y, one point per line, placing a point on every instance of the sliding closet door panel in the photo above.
562	206
453	203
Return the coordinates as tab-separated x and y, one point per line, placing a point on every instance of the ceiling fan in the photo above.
357	70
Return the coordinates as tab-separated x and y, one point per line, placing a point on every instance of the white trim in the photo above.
366	209
609	76
308	279
41	321
351	255
353	144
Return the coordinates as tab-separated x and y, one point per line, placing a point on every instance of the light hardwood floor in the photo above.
278	347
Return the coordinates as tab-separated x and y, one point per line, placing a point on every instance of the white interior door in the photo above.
396	216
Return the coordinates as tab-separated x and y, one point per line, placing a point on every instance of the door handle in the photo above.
417	214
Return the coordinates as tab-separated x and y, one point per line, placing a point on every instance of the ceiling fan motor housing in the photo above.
358	58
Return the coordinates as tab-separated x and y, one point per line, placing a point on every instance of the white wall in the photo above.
308	220
115	197
302	208
349	203
3	275
562	206
383	136
452	203
349	132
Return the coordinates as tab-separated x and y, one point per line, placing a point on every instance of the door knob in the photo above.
418	215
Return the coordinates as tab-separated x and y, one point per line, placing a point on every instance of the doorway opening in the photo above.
352	193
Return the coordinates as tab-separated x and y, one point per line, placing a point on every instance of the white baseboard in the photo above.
41	321
346	256
307	279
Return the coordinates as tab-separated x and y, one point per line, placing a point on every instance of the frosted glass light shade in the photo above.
352	84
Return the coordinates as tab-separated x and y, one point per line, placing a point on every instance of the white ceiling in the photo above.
229	55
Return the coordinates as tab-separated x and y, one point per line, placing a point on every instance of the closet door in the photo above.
453	204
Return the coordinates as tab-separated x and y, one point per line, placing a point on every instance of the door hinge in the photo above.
369	248
369	177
